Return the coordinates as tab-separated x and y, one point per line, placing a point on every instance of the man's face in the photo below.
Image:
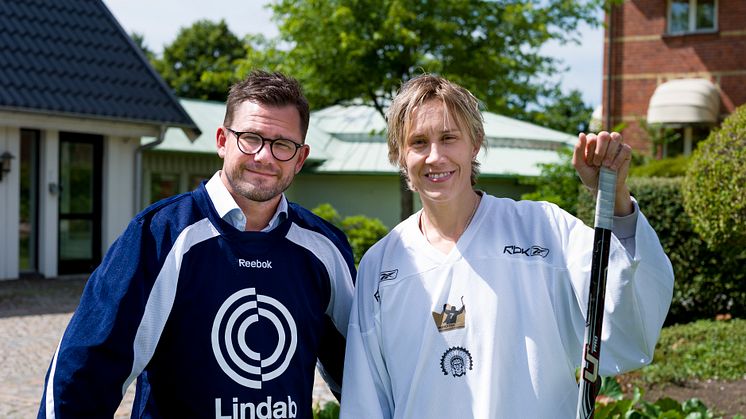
260	177
458	365
438	154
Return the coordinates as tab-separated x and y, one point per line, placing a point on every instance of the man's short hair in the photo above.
458	102
268	89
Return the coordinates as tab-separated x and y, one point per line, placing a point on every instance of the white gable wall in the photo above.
9	204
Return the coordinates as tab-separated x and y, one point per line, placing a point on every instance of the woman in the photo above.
474	306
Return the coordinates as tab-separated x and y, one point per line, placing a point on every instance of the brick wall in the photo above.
644	56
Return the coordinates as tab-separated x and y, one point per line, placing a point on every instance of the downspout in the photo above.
610	42
138	166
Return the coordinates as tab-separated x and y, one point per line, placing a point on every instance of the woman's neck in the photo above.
443	225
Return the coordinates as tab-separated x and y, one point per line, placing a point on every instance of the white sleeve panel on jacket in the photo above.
340	277
638	294
366	392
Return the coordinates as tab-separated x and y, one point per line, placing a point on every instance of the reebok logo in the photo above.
262	264
529	251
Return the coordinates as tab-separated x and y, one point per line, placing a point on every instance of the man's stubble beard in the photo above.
254	193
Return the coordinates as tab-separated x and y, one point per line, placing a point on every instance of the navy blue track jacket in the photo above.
210	321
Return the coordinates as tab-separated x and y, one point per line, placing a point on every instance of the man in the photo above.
512	348
219	301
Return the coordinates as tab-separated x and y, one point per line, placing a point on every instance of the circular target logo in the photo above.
231	345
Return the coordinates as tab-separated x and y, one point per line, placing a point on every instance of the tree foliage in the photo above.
200	62
558	183
139	40
715	185
566	113
345	50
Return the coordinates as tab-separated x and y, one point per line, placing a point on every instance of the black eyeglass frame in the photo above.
271	142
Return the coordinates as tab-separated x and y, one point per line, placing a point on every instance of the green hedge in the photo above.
707	282
715	185
362	232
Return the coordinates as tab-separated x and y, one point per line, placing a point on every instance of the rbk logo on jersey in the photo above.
231	342
529	251
450	318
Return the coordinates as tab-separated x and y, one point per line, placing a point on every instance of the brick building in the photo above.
675	64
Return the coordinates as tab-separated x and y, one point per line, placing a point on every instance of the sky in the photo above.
159	22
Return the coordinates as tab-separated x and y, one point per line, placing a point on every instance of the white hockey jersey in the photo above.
495	328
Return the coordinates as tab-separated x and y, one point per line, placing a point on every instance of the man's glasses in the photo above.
251	143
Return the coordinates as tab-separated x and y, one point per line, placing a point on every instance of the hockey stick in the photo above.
589	379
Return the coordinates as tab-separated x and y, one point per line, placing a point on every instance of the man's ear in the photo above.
303	153
220	140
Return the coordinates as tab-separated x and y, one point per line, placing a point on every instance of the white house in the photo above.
76	96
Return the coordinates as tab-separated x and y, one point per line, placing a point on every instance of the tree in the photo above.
200	62
566	113
345	50
715	185
139	40
363	49
558	183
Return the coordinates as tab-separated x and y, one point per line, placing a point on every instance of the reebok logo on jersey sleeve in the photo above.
261	264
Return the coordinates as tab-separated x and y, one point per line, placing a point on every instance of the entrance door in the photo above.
80	202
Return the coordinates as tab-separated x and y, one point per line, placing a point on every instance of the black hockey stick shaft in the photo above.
590	381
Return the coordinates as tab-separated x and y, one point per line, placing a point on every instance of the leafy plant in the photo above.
664	408
669	167
557	183
658	135
715	185
330	410
362	232
701	350
708	282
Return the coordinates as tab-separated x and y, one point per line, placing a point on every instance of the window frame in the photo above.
692	22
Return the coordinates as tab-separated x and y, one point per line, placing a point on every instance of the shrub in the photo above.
558	183
330	410
707	282
670	167
362	232
715	185
702	350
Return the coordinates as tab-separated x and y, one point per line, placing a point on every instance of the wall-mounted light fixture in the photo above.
5	159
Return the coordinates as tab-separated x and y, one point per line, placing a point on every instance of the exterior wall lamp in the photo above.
5	159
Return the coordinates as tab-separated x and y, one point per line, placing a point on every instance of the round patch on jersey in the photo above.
456	361
231	345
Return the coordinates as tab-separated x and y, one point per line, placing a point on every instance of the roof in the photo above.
72	58
684	101
352	140
513	147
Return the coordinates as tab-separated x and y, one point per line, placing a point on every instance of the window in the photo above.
685	140
163	185
686	16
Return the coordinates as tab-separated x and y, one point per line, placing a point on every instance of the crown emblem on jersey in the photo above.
451	317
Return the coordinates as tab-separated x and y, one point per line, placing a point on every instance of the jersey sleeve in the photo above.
330	246
95	355
367	388
639	289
